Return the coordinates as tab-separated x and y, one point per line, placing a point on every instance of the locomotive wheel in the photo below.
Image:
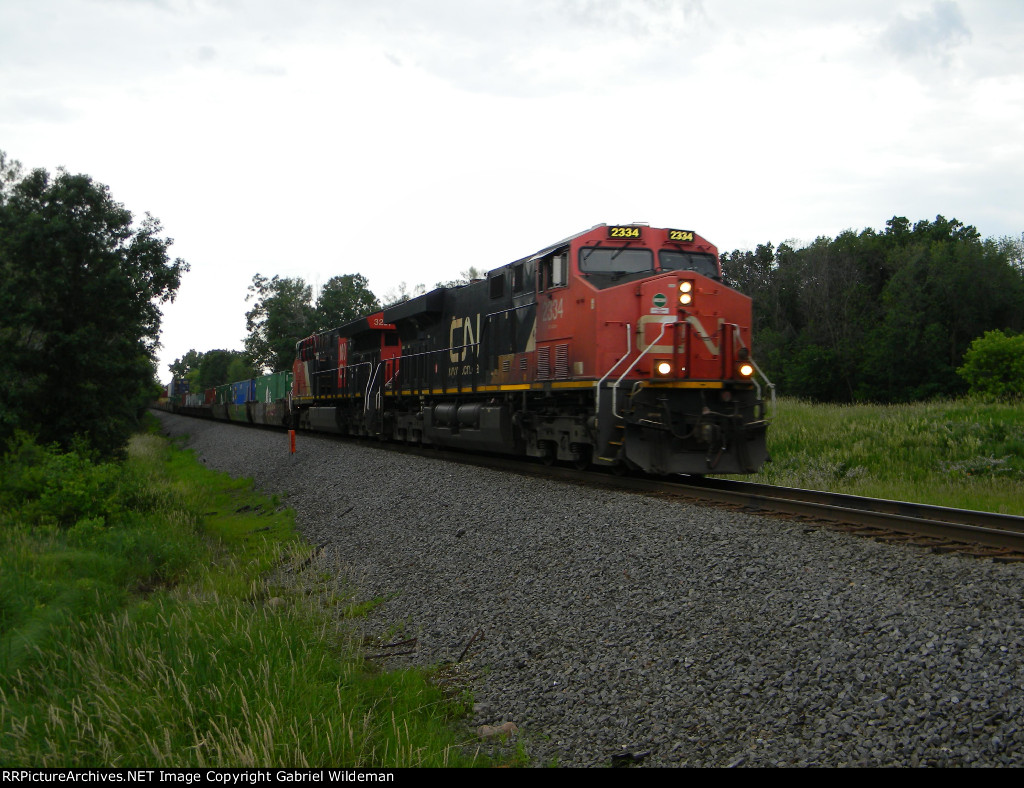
550	453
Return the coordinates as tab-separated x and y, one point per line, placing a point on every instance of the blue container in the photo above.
243	391
177	387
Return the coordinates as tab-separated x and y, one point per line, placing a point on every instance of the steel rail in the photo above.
942	522
1001	531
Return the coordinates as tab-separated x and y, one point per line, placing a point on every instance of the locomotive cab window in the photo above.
553	271
705	264
497	283
620	261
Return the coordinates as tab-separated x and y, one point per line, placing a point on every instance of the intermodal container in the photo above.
243	391
273	387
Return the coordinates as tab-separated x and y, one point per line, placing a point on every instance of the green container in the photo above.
274	387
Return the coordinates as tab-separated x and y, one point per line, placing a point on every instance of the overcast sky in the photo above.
407	140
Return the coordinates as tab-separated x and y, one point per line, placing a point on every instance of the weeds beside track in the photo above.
145	621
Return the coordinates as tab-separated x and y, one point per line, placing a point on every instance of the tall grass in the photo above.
963	453
162	633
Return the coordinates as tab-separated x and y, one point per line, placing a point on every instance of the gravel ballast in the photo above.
613	627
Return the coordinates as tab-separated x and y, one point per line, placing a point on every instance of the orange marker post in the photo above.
291	437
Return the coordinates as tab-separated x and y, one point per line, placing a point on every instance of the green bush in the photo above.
79	537
43	485
994	365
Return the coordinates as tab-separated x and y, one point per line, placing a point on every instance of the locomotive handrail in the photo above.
379	398
344	366
438	350
757	369
644	352
597	385
422	353
513	309
771	386
339	369
369	386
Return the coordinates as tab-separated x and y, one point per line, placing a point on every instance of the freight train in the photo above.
620	346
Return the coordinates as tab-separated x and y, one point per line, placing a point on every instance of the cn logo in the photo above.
461	335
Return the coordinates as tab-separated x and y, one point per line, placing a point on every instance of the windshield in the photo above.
705	264
602	260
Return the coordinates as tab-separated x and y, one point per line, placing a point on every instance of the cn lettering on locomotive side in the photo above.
461	336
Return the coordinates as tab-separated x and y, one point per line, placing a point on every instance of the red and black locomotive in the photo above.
619	346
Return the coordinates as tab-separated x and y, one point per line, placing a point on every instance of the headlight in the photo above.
685	293
663	368
746	370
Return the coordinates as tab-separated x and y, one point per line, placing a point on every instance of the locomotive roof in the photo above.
553	247
428	303
432	303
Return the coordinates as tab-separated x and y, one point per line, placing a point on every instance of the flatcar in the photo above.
619	346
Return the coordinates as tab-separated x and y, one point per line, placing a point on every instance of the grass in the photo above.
146	621
965	453
150	613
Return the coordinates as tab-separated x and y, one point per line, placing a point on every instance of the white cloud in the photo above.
933	34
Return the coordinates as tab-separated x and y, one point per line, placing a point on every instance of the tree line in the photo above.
284	311
911	312
879	316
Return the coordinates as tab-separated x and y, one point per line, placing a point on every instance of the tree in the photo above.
401	294
947	287
284	314
186	364
281	316
471	274
994	365
217	367
80	291
10	174
344	299
750	272
212	368
884	316
1013	249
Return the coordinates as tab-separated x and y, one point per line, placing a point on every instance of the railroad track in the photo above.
939	528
